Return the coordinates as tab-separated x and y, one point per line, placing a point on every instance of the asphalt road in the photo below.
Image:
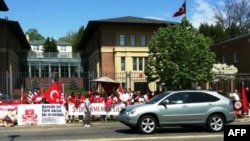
105	131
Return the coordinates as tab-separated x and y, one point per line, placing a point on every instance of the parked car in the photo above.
186	108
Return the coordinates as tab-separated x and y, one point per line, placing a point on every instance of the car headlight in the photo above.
131	112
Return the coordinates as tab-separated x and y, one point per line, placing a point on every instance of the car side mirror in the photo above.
165	102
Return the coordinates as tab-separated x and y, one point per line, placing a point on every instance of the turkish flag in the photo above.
244	98
181	11
53	94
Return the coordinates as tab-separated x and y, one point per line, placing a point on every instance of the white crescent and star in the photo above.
52	93
181	10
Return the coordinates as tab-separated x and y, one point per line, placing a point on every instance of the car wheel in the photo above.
147	125
215	123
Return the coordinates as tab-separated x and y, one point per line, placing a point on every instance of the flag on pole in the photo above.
244	98
23	98
181	10
31	93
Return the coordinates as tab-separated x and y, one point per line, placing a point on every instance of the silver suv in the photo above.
187	108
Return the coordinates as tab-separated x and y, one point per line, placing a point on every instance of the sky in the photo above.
56	18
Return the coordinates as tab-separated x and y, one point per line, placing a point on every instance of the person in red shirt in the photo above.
79	101
71	100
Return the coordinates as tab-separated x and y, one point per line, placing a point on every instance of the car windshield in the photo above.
157	98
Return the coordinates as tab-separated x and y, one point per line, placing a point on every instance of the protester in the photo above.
71	100
87	112
79	100
54	76
124	97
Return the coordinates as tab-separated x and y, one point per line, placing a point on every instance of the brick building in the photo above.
120	45
235	51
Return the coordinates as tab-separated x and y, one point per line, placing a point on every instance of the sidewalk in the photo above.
246	118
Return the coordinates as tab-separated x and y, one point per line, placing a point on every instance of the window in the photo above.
63	48
177	98
236	57
224	59
198	97
143	40
145	62
134	63
139	63
36	47
132	40
123	63
122	40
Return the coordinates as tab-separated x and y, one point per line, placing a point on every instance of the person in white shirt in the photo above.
235	96
87	112
124	97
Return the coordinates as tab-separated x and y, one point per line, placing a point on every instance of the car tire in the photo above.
215	123
147	124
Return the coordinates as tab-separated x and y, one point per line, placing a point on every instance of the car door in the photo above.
175	111
199	104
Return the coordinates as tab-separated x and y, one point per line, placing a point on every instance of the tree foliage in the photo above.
73	38
215	32
34	35
178	56
234	17
50	45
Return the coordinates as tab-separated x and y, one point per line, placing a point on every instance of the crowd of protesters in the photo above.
127	97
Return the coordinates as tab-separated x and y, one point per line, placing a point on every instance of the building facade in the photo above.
41	64
118	48
235	51
13	45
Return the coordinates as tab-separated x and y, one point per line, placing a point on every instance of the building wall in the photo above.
106	53
9	49
239	45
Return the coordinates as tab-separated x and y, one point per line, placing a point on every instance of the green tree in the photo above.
215	32
34	35
50	45
73	38
178	56
234	17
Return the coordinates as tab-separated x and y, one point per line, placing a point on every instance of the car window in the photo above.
177	98
198	97
157	98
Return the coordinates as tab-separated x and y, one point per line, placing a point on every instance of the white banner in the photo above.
96	109
8	112
38	114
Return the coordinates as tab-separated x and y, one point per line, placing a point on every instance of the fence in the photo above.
11	83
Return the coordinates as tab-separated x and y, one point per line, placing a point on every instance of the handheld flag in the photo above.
53	94
244	98
181	11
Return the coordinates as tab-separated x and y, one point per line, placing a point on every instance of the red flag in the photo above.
181	11
244	98
53	94
23	97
